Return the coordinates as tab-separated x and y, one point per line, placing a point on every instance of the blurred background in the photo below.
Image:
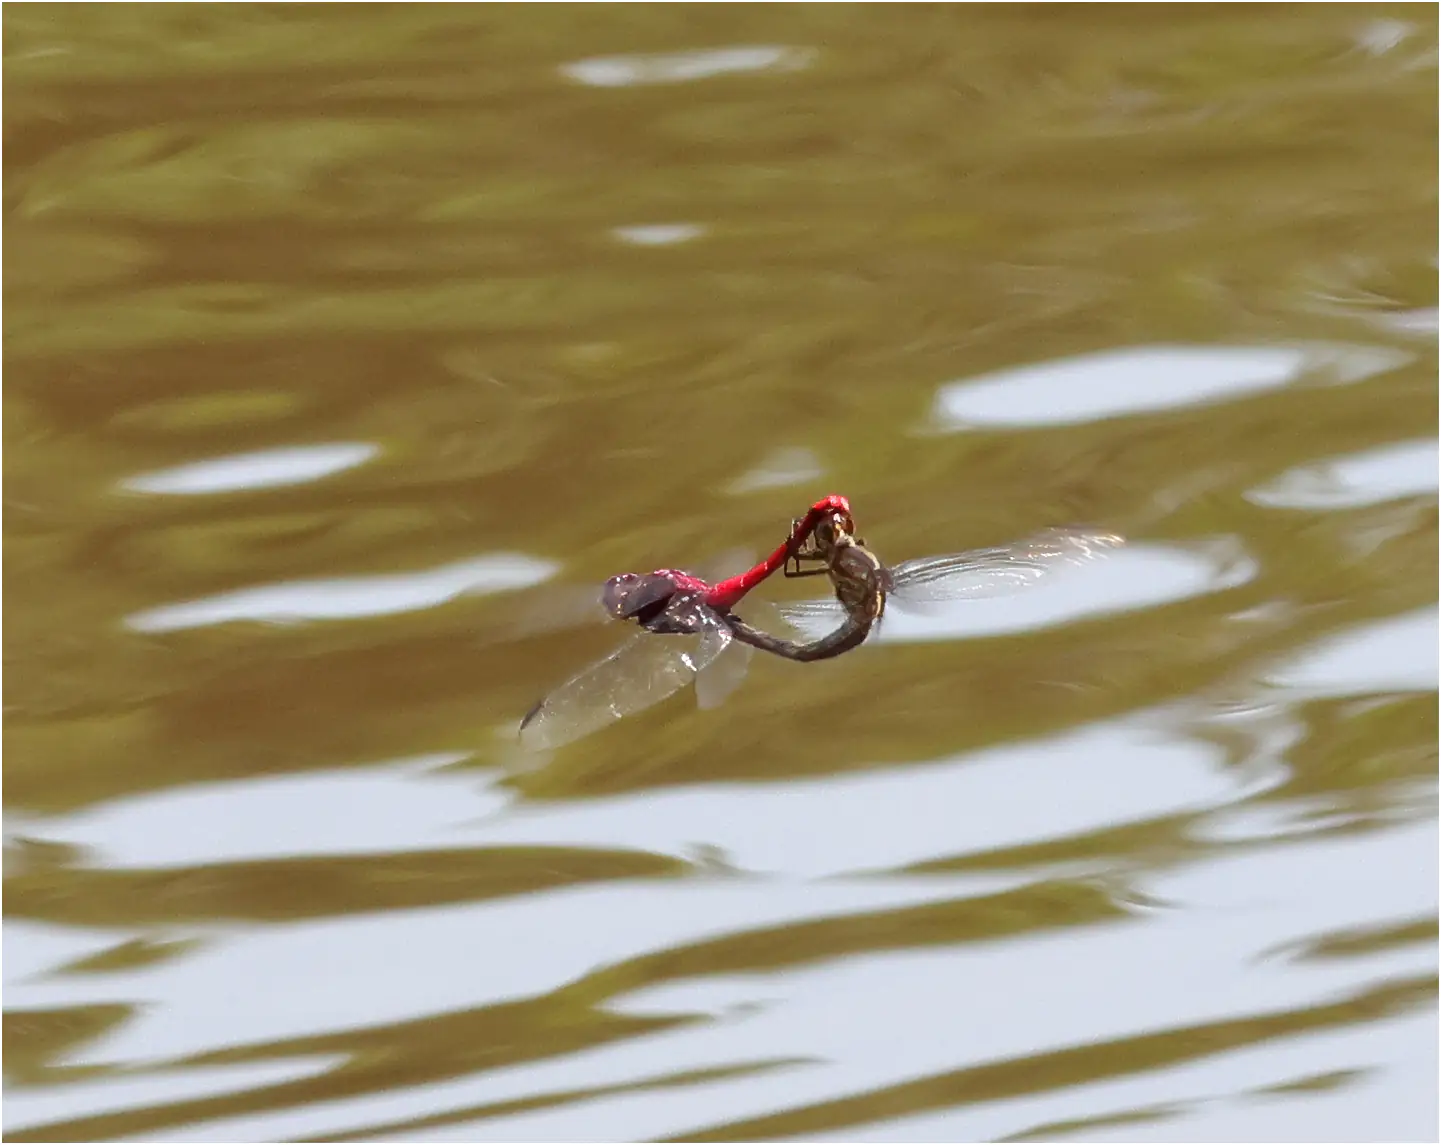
348	348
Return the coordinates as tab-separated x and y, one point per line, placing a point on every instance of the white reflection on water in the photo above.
350	597
1134	770
1396	654
1422	322
1406	469
404	805
785	466
34	948
41	1105
659	234
679	67
257	983
1207	953
263	469
1381	36
892	1016
1217	1098
1139	379
1137	576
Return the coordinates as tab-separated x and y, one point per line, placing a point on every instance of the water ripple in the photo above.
347	598
1143	379
682	67
1397	654
262	469
1406	469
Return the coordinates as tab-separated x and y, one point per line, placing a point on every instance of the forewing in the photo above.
997	571
640	673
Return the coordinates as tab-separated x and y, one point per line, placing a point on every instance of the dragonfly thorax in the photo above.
859	579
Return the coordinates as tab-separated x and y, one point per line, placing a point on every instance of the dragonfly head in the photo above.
828	532
831	528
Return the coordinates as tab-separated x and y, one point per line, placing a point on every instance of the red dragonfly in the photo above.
645	671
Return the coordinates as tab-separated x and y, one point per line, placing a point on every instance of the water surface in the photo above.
349	348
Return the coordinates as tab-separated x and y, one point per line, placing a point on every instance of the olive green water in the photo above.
539	294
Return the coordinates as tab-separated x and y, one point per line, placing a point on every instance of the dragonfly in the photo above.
694	614
674	604
863	584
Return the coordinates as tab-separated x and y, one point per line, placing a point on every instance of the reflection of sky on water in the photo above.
879	1018
1193	959
1376	475
1421	322
659	234
407	804
1208	941
1141	379
807	828
472	208
346	598
263	469
786	466
679	67
1396	654
455	956
1204	1097
827	827
32	1105
1381	36
1137	576
1208	944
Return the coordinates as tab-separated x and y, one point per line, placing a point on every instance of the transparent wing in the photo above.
997	571
715	685
640	673
922	584
811	619
808	614
724	674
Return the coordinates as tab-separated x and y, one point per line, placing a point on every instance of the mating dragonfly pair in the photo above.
698	624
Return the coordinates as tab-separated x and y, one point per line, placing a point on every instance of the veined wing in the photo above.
640	673
921	584
997	571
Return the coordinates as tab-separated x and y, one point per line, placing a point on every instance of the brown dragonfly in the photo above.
862	583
